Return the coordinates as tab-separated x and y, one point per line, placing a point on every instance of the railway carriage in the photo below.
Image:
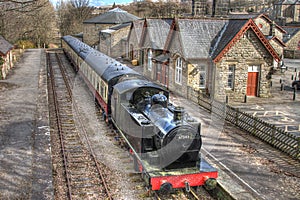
164	141
99	71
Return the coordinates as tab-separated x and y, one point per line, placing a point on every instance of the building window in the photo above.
150	60
178	73
230	80
158	72
202	74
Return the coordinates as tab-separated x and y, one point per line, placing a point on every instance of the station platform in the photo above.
25	152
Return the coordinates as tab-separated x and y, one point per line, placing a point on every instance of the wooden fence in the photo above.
267	132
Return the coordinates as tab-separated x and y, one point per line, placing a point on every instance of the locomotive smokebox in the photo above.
178	113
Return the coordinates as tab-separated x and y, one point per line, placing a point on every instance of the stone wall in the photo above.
292	49
112	43
293	43
278	47
248	51
91	33
117	47
263	25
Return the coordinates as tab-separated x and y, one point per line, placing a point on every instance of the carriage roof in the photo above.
105	66
128	85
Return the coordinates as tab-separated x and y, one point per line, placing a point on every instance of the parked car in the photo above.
296	84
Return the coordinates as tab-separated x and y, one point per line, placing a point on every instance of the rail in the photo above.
80	164
67	81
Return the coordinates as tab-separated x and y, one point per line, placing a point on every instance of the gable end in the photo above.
259	34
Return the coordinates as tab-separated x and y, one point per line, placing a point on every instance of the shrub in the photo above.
26	44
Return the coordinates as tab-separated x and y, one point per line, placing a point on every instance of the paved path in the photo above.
25	153
282	109
248	168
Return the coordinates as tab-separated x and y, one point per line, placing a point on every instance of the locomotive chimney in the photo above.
178	113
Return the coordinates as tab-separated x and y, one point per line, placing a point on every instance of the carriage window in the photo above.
102	89
105	92
98	85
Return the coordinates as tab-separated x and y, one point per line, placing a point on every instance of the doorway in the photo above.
252	81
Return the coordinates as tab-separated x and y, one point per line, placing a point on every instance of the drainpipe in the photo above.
213	8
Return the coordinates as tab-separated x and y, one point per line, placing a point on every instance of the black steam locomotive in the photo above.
165	141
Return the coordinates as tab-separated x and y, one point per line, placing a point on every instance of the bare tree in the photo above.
27	19
72	14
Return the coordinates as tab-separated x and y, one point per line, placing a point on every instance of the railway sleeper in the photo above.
71	136
67	128
73	147
88	194
82	179
66	120
73	150
88	185
79	173
70	159
72	142
81	165
76	156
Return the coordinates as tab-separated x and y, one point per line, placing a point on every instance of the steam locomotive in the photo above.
163	140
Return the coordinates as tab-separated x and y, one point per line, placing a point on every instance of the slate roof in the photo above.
114	16
114	28
211	38
157	30
255	16
230	30
199	33
137	29
277	40
5	46
288	2
120	26
162	58
291	32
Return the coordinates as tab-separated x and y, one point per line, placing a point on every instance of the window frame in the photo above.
149	57
202	70
231	76
178	70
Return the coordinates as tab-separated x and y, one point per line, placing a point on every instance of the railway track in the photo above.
194	193
77	174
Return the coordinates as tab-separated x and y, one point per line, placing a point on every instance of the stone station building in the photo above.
222	58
